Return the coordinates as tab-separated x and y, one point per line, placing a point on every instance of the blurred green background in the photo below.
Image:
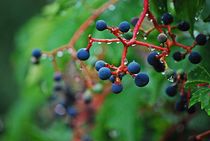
14	14
144	114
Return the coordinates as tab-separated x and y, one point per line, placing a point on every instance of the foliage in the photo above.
136	114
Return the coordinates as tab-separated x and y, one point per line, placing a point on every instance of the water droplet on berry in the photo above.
60	53
171	79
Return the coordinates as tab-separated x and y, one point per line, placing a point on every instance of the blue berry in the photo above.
195	57
159	67
57	76
201	39
155	62
117	88
124	26
141	79
83	54
134	67
162	38
99	64
183	26
86	138
167	18
152	58
134	20
101	25
178	56
104	73
36	53
112	78
171	90
72	111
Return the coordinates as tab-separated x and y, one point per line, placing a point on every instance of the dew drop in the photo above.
112	7
60	53
44	56
113	133
171	79
196	18
125	61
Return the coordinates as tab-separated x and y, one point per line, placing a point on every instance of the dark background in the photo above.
13	14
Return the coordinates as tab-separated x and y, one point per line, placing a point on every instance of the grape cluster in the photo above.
72	106
115	74
133	68
179	79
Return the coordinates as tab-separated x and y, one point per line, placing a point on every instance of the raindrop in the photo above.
44	56
151	49
125	61
171	78
196	18
112	7
113	133
60	53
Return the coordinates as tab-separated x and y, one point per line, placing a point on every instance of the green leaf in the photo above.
202	95
205	15
199	73
187	10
